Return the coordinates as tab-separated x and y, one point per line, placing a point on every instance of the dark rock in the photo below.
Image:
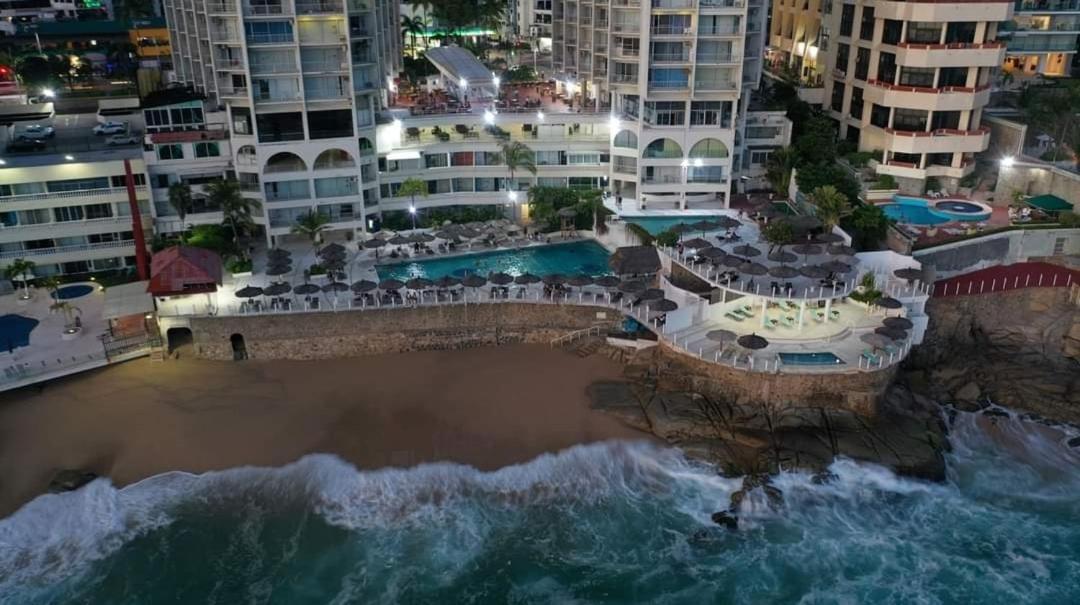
726	519
996	413
1074	442
823	477
707	537
69	480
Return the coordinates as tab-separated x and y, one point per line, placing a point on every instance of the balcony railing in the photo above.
672	3
65	249
669	84
718	58
624	78
285	38
325	66
626	28
119	221
233	91
717	85
672	30
224	35
267	10
228	62
284	67
265	98
720	3
221	8
57	195
718	31
313	7
683	57
1047	5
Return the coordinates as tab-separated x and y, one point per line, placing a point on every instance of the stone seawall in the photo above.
371	332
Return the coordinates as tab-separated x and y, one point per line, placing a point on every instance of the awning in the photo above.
1049	203
127	299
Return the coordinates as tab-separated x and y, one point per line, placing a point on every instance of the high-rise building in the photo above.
678	76
1042	38
910	79
302	82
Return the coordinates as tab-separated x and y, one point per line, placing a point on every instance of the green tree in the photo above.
68	310
869	224
411	27
817	143
1054	109
210	237
831	204
181	201
545	202
236	209
591	209
778	169
778	233
311	225
20	269
812	176
667	238
516	155
412	187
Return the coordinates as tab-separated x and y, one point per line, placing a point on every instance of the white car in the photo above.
37	132
111	128
122	139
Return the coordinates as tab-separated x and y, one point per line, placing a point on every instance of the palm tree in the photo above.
412	187
181	201
311	225
69	310
425	6
235	208
831	205
412	27
20	270
516	155
778	169
778	234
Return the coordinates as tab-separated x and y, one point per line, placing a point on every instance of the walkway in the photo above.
1008	277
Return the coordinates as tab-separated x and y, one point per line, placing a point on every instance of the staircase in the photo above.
157	353
584	347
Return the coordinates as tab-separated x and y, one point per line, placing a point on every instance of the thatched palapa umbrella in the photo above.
473	281
632	286
898	323
526	278
662	306
878	341
580	280
909	273
752	342
807	249
721	335
746	250
399	240
249	292
277	289
840	250
651	294
781	256
753	268
697	243
554	279
607	281
783	271
391	284
500	278
305	289
335	286
447	281
828	238
888	302
726	222
893	333
419	283
364	285
835	266
813	271
373	243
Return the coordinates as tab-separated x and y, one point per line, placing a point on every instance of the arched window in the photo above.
246	155
663	148
334	158
626	139
709	148
285	162
366	147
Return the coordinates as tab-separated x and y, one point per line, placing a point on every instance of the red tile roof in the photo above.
184	270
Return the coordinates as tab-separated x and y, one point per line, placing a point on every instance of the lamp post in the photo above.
412	213
513	197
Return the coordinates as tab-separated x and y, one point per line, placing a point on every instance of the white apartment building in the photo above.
911	79
533	20
678	76
69	212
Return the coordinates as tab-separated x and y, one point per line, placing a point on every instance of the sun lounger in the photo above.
787	321
733	316
834	313
747	310
868	355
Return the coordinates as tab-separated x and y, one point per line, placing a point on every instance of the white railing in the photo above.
576	334
30	197
65	249
56	225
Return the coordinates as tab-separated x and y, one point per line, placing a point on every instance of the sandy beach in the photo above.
487	407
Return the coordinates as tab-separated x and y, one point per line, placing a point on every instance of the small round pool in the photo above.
72	291
921	211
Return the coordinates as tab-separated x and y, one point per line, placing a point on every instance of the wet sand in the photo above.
487	407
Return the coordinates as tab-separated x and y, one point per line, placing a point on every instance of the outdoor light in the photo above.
69	157
540	116
698	162
397	123
513	196
489	118
463	83
614	122
1007	161
3	162
496	81
412	209
685	163
48	93
391	84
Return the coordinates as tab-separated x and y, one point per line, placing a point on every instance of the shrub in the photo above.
932	184
642	233
970	180
238	265
885	181
316	270
1069	219
858	159
667	238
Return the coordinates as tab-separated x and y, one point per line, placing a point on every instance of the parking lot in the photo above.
74	133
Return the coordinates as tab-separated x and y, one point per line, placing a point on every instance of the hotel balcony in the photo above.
1042	44
944	140
718	58
712	5
34	201
221	8
1047	6
283	7
673	4
319	7
944	12
990	54
63	254
950	98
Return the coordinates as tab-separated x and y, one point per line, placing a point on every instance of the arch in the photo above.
366	148
285	161
239	349
246	154
663	148
709	148
178	338
334	158
626	139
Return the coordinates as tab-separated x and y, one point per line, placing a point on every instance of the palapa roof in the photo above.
635	260
184	270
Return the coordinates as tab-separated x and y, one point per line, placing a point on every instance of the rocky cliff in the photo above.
1019	349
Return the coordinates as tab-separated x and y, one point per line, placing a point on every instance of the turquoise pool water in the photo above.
659	224
569	259
810	359
919	211
70	292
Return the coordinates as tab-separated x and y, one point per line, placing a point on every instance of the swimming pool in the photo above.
15	331
658	224
921	211
810	359
586	257
73	291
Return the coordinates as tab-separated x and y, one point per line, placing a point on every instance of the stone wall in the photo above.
354	333
1036	179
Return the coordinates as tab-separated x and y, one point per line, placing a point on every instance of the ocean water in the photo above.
604	523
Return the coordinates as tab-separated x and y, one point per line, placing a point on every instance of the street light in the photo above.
412	213
539	116
489	117
69	157
1007	161
48	93
685	168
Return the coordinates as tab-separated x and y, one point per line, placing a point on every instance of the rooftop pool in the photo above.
809	359
658	224
922	211
573	258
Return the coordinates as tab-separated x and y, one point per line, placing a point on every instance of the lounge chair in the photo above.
733	316
787	321
747	310
869	356
834	313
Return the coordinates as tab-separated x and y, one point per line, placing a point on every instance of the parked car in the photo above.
111	128
36	132
122	139
26	145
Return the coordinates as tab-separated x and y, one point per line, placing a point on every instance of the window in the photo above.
339	186
161	181
626	140
710	113
759	158
837	103
960	32
579	157
665	113
170	152
862	63
866	26
68	213
843	54
886	67
923	32
268	32
856	110
287	190
98	211
120	180
708	148
847	19
663	148
917	76
207	150
939	159
890	33
436	160
953	76
705	174
879	116
945	119
909	120
78	184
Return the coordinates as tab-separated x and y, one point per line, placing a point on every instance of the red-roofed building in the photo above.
184	270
